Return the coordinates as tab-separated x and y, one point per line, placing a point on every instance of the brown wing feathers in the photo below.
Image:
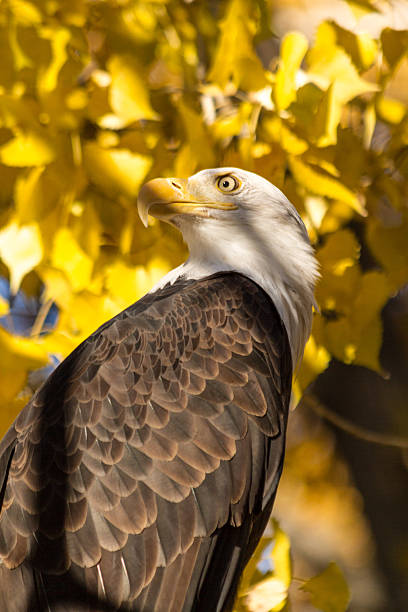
140	467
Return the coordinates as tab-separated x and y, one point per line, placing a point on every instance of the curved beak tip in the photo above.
142	211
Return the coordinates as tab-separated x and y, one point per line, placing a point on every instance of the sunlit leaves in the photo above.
48	78
68	256
328	591
128	93
4	307
353	303
116	171
18	356
128	283
294	47
389	246
332	65
197	150
264	592
320	182
332	69
21	250
316	358
96	97
271	593
235	58
32	148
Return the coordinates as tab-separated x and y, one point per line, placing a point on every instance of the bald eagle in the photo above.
142	473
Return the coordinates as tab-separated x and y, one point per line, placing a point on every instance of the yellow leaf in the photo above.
251	574
389	247
47	79
77	99
10	408
128	94
20	58
29	196
394	45
89	311
280	553
25	12
357	337
127	284
340	272
57	287
329	591
4	306
370	120
31	148
368	49
323	130
316	208
361	8
267	596
271	593
235	59
68	256
116	171
362	48
322	184
315	360
17	357
288	139
293	50
390	110
21	249
331	64
366	323
197	152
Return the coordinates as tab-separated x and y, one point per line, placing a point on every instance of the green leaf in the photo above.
329	591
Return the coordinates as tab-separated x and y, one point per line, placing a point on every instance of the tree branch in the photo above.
355	430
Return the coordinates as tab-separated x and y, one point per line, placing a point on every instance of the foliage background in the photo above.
98	96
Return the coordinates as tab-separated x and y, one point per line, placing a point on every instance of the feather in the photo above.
160	469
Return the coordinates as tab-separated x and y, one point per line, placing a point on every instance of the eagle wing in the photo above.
143	471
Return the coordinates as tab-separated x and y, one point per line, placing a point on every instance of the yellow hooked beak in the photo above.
165	198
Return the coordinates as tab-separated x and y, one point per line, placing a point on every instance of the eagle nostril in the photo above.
176	185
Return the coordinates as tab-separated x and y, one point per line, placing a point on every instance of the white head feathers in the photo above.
261	236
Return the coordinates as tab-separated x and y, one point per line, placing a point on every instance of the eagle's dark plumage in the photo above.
143	472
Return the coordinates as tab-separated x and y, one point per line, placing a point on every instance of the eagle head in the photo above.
235	220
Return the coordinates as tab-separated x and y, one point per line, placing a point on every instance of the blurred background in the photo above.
97	97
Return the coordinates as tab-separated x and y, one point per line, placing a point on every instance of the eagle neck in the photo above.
294	307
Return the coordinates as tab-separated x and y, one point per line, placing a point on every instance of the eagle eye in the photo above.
228	183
